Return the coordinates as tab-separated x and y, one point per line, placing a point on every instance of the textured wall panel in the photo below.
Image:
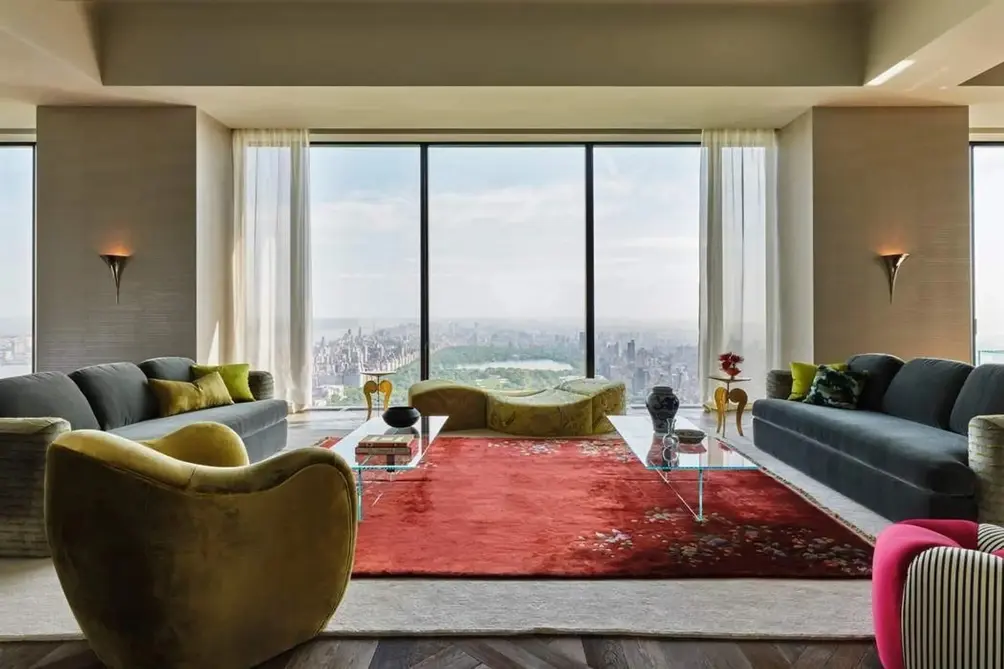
109	178
214	234
794	222
891	180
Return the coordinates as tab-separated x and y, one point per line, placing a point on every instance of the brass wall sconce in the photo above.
892	263
116	263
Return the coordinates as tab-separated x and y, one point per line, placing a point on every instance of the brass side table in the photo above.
377	384
725	395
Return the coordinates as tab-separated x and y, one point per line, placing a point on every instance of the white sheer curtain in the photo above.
739	290
271	261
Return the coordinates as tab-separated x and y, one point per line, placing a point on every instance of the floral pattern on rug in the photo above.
527	447
586	508
606	448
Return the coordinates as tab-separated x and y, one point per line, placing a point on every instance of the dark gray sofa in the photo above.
905	452
36	408
116	397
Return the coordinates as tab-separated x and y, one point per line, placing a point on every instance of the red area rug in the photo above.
487	507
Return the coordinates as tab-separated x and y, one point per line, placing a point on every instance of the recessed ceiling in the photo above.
663	66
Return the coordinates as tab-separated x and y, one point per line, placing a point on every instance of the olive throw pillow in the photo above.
176	397
802	376
838	388
236	376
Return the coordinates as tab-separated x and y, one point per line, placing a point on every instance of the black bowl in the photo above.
401	416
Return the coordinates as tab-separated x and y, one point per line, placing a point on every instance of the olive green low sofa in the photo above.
178	554
577	408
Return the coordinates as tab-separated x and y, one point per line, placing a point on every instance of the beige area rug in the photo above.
32	606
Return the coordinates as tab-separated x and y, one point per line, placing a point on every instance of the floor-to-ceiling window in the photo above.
17	233
988	239
506	264
512	297
365	264
647	270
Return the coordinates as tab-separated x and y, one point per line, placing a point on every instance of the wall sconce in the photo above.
892	262
116	263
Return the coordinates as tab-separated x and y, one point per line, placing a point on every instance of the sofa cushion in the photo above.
236	376
117	392
46	394
547	413
879	369
924	456
175	397
804	373
171	368
245	419
838	388
925	390
982	395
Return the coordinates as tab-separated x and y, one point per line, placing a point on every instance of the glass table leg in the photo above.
700	495
359	494
699	513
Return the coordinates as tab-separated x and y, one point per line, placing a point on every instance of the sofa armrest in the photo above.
779	384
23	444
262	385
946	597
203	443
986	459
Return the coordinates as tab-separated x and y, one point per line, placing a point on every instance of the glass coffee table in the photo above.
710	454
369	467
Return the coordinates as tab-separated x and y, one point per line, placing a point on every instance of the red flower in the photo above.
730	363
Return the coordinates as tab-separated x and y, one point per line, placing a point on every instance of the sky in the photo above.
988	240
506	233
16	233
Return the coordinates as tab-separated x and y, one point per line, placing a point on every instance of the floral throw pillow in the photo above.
838	388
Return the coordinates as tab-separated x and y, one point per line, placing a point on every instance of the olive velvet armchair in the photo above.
177	553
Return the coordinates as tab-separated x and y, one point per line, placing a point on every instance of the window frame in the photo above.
977	141
26	139
621	139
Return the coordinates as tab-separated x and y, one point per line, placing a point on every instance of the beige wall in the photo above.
215	203
115	178
892	179
795	255
482	44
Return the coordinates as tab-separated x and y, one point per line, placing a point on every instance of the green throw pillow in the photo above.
176	397
838	388
236	376
802	376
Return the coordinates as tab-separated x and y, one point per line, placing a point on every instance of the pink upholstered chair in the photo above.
938	595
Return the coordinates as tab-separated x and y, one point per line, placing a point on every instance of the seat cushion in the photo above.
46	394
879	369
118	393
608	398
924	456
925	391
171	368
465	405
245	419
982	395
548	413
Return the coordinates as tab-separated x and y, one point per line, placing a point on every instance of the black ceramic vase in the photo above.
662	405
401	417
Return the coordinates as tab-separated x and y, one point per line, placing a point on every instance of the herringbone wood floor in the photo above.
504	653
